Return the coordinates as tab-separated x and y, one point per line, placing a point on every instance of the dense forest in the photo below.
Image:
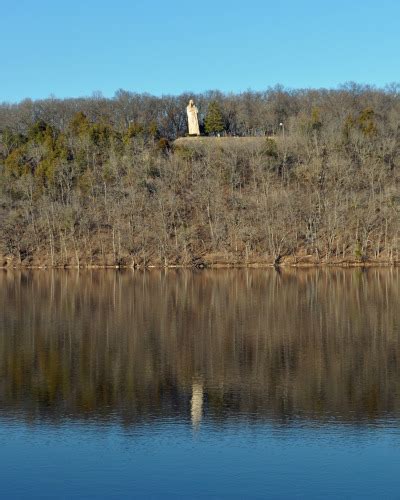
100	181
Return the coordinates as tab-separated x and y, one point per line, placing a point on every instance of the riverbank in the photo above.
204	263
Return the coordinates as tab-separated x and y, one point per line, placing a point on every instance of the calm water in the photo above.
200	384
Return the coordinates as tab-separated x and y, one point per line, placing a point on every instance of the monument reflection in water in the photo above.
308	356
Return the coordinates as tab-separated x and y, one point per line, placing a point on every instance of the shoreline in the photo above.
212	266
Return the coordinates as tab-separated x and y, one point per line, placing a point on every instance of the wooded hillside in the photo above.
98	181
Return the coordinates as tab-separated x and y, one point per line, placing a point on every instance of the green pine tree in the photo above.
214	122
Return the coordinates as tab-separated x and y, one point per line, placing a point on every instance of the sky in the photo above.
76	47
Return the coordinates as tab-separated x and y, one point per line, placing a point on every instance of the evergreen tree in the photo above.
214	122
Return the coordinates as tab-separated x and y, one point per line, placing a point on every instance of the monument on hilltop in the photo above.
193	122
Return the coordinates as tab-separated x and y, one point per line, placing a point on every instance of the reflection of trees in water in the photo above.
318	343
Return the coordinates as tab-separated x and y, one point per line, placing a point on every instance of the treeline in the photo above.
100	181
248	113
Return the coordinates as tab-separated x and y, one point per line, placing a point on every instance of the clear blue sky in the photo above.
72	48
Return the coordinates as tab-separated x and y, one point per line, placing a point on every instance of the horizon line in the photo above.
393	86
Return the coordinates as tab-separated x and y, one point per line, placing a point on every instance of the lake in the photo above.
194	384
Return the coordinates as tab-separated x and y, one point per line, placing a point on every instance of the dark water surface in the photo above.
233	383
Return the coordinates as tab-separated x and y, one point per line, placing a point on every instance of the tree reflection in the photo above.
253	344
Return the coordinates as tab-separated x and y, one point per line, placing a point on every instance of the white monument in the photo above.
193	122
